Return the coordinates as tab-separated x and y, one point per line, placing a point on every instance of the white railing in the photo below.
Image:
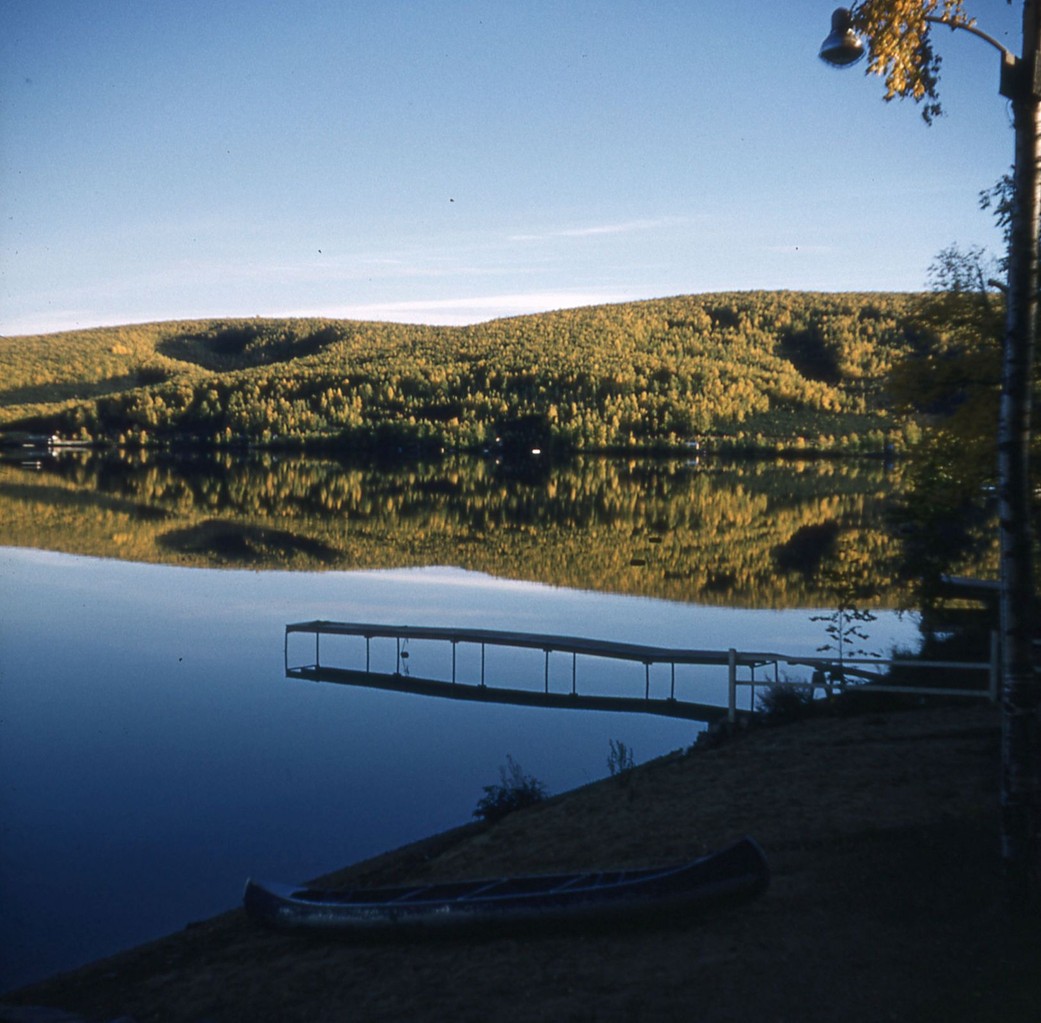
834	674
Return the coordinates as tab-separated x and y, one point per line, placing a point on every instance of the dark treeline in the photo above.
756	371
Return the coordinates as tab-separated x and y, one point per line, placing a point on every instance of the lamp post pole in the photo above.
1021	685
1021	699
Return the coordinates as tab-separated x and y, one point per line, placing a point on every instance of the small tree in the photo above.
620	760
949	385
516	789
847	576
844	631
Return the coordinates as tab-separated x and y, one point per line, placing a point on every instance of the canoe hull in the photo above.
733	874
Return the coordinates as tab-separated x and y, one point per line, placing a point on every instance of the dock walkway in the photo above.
707	692
401	678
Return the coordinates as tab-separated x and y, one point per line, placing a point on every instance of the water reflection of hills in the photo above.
751	534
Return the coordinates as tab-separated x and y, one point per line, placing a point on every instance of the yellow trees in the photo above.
642	374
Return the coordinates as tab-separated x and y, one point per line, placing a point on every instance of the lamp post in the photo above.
1020	83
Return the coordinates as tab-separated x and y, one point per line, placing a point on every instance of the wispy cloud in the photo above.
469	309
593	230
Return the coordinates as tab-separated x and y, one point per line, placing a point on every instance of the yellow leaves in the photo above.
640	374
900	45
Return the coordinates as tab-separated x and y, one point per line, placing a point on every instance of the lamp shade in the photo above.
842	46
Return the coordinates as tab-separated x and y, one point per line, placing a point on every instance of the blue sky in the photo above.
450	161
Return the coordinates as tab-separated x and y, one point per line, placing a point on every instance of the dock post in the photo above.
574	673
731	685
994	674
454	645
546	678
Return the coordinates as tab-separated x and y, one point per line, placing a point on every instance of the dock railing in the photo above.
744	670
832	675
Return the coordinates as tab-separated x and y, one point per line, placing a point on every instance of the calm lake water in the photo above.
153	755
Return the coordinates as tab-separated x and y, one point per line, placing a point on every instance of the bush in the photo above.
785	702
515	790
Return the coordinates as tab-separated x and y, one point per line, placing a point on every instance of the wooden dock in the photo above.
725	670
399	677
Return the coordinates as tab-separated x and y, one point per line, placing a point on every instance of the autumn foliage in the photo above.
749	371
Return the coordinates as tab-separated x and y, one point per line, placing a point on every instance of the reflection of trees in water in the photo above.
742	534
236	543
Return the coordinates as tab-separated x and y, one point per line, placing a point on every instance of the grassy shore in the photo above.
886	902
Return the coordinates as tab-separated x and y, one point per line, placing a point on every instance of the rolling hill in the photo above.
764	371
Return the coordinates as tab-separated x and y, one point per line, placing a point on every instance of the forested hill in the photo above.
766	370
